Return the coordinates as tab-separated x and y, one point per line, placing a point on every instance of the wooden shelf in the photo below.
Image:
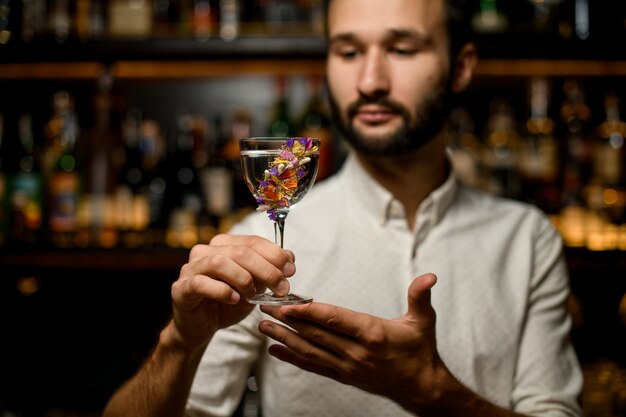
155	69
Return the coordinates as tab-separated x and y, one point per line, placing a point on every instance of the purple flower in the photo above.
289	142
301	173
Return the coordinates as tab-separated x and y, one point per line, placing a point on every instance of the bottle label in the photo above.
26	200
64	204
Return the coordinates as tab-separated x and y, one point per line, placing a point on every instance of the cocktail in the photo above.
279	171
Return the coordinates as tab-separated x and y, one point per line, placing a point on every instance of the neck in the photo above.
411	178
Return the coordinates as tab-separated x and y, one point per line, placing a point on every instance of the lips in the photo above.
374	114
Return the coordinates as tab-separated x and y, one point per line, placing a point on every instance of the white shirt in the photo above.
502	324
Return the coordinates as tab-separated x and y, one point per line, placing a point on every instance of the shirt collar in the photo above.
380	203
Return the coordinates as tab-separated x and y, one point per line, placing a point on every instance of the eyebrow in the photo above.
391	34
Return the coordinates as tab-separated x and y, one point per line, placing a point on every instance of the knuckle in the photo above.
215	262
218	239
241	252
375	338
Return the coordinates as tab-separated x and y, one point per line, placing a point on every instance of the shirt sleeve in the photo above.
548	379
228	360
225	366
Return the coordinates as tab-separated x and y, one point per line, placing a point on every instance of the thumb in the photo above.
419	296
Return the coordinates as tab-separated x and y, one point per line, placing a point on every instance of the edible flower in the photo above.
280	180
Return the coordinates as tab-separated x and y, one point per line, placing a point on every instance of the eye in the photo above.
403	50
348	52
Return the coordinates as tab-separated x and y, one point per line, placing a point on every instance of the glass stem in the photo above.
279	227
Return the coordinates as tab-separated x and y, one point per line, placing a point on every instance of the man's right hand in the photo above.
211	289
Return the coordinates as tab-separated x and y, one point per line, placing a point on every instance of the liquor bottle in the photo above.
34	17
154	180
217	177
240	127
609	150
538	153
162	17
230	19
489	18
97	215
502	140
82	19
25	188
130	18
184	192
315	123
4	218
609	162
280	119
60	20
576	165
576	115
60	168
6	20
204	20
465	150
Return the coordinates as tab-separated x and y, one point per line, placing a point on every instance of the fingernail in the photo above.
289	269
266	328
282	287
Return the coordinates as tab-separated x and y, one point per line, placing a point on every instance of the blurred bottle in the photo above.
97	217
465	149
230	19
4	194
25	188
607	190
489	18
280	119
129	179
609	150
576	165
63	186
315	123
162	17
82	19
154	181
240	127
130	19
538	154
34	15
576	116
217	176
280	16
184	192
502	150
6	22
60	21
205	19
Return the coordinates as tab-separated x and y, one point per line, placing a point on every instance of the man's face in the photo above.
388	72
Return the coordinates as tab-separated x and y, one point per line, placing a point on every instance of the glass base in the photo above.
271	299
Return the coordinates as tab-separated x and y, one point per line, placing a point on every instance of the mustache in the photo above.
394	106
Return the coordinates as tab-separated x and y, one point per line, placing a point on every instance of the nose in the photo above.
374	78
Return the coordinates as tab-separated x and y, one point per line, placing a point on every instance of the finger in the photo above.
298	350
337	319
419	296
320	336
272	252
216	277
267	265
321	368
188	293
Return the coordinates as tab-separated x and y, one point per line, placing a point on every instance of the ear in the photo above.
464	67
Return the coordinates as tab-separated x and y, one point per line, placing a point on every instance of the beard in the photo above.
430	118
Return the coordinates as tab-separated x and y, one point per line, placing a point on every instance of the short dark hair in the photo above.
458	24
